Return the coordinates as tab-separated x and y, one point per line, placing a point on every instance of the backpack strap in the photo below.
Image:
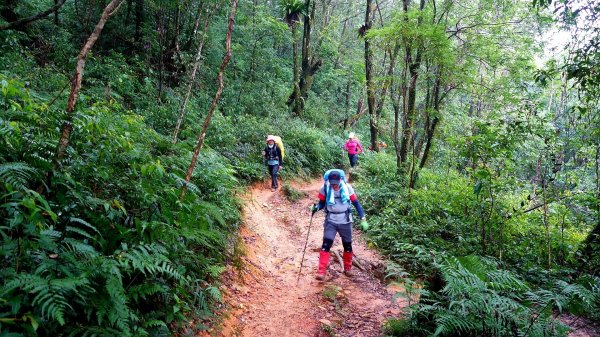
327	212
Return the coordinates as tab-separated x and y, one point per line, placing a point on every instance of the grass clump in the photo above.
293	194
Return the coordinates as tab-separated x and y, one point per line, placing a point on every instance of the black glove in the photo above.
314	208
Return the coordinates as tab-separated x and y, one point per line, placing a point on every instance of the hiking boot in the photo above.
323	263
347	258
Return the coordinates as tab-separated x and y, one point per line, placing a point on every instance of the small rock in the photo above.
325	322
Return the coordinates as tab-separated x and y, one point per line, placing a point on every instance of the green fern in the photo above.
142	291
180	182
86	224
480	299
214	293
149	260
449	323
50	296
118	315
78	247
17	174
215	270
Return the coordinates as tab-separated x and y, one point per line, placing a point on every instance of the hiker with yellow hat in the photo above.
273	156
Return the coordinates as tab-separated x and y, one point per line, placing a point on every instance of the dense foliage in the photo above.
513	178
104	244
488	194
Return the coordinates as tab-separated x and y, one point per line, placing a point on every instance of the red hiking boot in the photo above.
323	263
347	257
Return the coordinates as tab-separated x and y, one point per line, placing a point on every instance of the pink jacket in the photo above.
353	146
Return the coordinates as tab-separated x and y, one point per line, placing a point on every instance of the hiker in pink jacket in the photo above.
354	149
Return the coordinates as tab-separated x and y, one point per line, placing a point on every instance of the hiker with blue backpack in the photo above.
335	198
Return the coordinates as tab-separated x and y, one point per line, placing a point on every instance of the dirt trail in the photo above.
267	300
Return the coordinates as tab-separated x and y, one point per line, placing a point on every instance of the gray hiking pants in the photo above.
332	229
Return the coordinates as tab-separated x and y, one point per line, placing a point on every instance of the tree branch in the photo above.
22	22
460	29
213	105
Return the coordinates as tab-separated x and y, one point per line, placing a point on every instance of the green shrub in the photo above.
107	248
478	299
292	194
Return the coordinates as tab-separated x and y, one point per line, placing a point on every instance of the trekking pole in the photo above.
304	251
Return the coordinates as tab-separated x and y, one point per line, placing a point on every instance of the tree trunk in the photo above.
139	17
192	79
304	78
409	111
197	19
406	118
592	242
430	130
295	98
369	77
160	18
388	79
336	63
396	105
56	21
213	105
347	105
310	64
67	126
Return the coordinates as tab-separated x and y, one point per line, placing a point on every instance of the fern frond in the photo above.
118	315
141	291
155	323
150	259
85	223
545	299
449	322
215	270
79	247
576	291
80	232
17	174
503	280
95	331
214	293
180	182
50	296
51	233
212	212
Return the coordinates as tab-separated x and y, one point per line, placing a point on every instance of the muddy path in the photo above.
265	298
